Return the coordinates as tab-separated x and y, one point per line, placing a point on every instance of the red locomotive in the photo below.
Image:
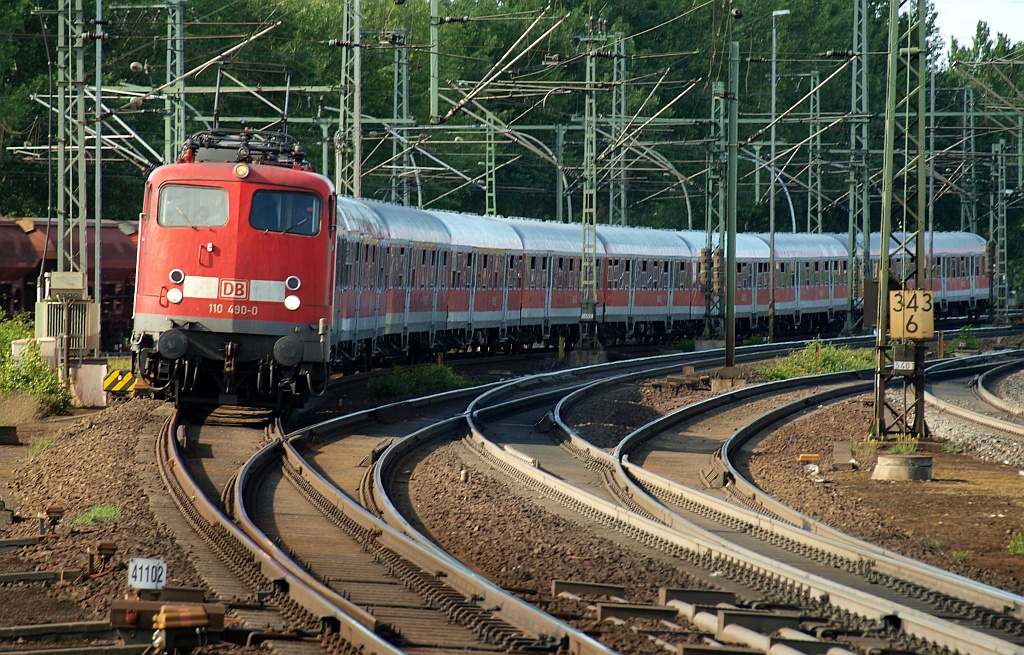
254	279
235	276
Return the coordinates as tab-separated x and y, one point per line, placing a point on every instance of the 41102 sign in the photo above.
911	314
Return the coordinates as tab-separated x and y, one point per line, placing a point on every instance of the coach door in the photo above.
513	296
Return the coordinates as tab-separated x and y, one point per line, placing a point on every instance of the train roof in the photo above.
948	243
748	246
805	246
943	244
408	223
621	240
547	236
478	231
356	217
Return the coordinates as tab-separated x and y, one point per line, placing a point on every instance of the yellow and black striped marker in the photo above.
119	381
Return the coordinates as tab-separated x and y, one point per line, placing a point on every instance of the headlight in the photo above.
177	276
292	283
242	170
174	295
292	302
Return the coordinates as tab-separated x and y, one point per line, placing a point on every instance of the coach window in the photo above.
457	262
192	206
287	212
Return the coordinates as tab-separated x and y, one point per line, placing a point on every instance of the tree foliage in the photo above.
669	47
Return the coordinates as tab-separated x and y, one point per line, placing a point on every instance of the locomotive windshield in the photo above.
287	212
193	206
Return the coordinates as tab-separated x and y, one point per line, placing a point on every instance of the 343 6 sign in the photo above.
911	314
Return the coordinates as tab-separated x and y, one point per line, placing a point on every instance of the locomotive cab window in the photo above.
287	212
193	206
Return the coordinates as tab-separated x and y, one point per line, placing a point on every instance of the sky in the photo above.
960	17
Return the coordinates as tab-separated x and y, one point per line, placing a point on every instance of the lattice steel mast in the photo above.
903	206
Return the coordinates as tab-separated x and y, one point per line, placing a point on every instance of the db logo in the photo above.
236	289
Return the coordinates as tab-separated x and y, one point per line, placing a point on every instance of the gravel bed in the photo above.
1011	389
90	462
962	520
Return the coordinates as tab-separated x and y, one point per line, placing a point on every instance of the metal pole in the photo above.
732	152
434	53
98	170
771	189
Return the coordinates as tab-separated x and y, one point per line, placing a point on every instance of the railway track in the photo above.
911	585
972	399
527	457
293	603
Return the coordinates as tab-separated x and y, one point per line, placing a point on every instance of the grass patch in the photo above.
960	555
817	358
39	446
933	543
865	450
952	447
97	514
417	381
119	363
905	445
1016	545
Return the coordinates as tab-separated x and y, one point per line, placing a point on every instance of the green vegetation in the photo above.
817	358
685	345
29	373
964	340
12	329
39	446
952	447
905	445
417	381
933	543
1016	545
864	450
121	363
97	514
961	555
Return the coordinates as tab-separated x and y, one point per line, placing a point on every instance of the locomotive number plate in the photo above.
911	314
145	573
230	308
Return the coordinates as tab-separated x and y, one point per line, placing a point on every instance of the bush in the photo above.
964	340
30	373
418	381
817	358
685	345
12	329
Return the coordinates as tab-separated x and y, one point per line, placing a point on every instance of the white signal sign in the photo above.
147	573
911	314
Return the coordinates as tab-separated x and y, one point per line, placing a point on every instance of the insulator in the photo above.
836	54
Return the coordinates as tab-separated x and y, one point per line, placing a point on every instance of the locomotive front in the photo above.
235	272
